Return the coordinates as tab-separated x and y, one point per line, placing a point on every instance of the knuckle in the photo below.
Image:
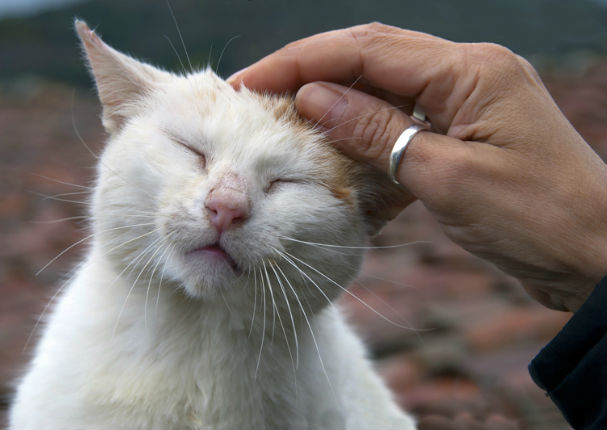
376	27
528	68
454	171
496	61
364	31
373	133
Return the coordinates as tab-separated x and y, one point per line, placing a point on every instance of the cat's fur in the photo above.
150	335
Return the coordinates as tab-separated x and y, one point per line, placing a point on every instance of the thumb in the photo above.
365	128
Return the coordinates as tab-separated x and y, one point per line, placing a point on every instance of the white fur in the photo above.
144	336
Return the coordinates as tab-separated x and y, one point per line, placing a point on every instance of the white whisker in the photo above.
263	332
63	182
80	241
290	314
144	252
58	199
55	221
288	260
272	298
184	70
145	306
162	273
322	364
223	50
254	299
356	118
328	245
371	308
340	98
44	310
180	36
97	157
284	332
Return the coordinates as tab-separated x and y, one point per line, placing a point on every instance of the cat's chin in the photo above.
207	270
207	286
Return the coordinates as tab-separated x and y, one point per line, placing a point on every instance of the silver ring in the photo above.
401	146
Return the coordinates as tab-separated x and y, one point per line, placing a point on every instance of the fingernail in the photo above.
235	78
321	102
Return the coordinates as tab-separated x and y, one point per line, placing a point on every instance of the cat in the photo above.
205	299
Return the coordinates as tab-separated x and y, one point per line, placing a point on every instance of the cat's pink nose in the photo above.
223	214
227	204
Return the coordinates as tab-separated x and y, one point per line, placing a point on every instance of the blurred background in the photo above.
473	329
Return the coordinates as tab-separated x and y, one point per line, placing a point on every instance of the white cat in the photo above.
202	302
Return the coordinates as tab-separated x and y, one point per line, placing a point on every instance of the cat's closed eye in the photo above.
201	156
276	183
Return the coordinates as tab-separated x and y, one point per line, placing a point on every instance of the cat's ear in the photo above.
379	199
122	82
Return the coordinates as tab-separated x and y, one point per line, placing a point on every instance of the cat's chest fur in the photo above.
187	365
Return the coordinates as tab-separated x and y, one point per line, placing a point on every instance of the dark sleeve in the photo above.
572	368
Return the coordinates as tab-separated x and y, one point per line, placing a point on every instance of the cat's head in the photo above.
213	189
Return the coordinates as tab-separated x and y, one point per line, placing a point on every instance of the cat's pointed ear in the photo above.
122	82
379	199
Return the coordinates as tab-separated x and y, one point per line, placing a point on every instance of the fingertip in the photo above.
236	80
323	102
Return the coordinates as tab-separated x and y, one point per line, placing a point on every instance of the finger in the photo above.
405	104
343	56
366	128
402	62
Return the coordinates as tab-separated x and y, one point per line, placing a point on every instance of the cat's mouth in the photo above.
213	253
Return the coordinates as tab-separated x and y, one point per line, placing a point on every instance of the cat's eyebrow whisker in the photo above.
184	70
223	50
340	98
356	118
272	266
179	33
371	308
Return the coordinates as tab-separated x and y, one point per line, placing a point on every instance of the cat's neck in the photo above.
162	335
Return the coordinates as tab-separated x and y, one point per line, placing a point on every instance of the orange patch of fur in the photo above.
338	176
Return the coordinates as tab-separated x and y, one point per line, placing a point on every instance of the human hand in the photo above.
502	170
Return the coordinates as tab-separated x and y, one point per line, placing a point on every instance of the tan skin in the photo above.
502	170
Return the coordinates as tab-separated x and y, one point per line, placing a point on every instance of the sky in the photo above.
25	7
